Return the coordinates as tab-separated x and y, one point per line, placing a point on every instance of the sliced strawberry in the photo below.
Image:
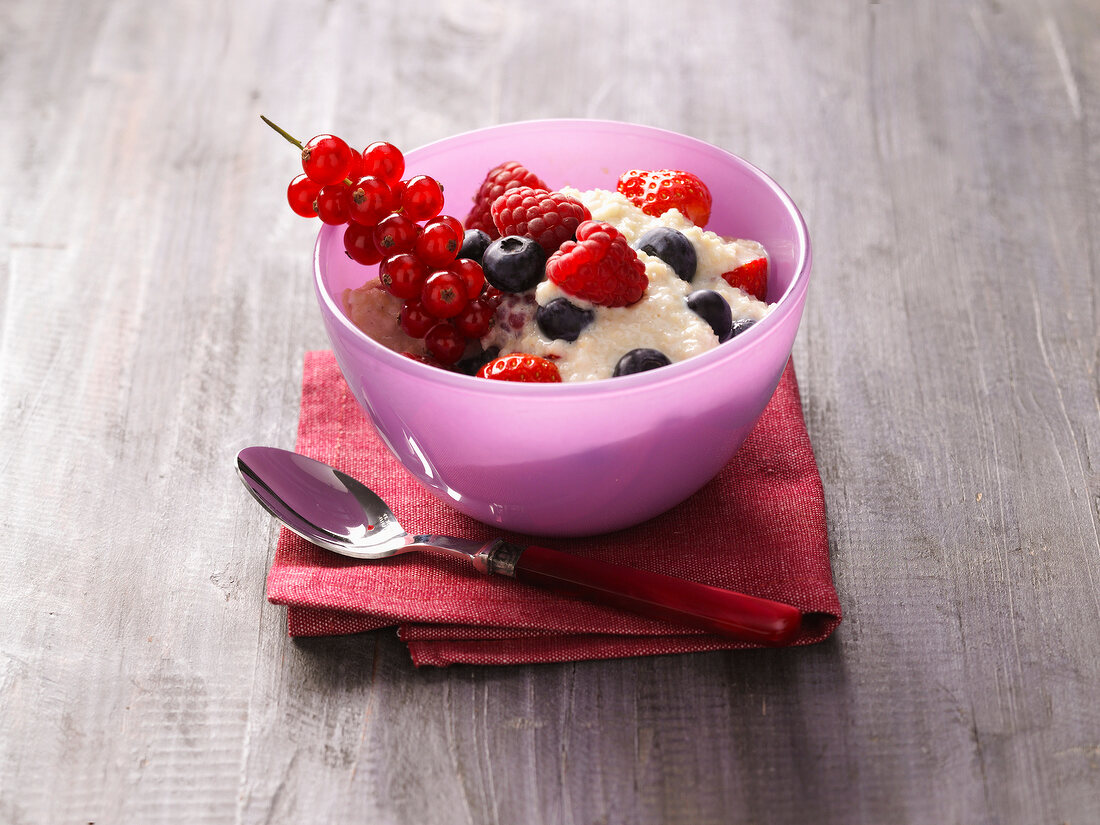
751	278
657	191
520	366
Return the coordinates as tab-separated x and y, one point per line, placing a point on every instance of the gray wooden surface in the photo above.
156	304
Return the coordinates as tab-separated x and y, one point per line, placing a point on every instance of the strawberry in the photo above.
550	218
599	267
499	180
751	277
520	366
657	191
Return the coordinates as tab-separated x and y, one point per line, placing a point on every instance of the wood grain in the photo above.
156	307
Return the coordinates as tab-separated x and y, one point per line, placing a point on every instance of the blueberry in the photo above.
474	243
514	263
640	360
562	319
471	364
672	247
712	308
740	325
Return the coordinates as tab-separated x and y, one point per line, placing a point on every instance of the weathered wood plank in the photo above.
156	304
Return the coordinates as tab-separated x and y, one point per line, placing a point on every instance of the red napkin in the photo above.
758	528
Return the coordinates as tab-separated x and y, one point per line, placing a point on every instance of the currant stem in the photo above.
283	132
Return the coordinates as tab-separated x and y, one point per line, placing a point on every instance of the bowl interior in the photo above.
586	457
588	154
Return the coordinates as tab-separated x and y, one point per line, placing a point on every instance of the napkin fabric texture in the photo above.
758	528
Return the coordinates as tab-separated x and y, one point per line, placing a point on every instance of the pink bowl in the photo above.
578	459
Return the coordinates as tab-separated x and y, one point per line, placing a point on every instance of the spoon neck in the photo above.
483	555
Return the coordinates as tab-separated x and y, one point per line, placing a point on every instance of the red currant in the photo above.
438	244
471	274
493	296
445	343
394	234
403	275
423	359
475	319
385	161
359	244
355	169
415	320
422	198
454	223
326	159
443	294
369	200
301	194
332	206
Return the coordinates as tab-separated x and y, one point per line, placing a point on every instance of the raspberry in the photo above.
657	191
500	179
520	366
550	218
751	277
599	267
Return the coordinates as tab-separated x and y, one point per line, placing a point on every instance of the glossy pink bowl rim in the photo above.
789	302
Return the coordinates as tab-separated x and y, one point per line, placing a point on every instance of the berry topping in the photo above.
451	221
521	367
499	180
395	234
438	244
751	278
514	264
599	267
655	192
475	319
640	360
355	168
369	200
403	275
383	160
740	325
422	198
415	320
712	308
471	364
301	194
359	244
326	159
445	343
673	248
471	273
563	320
423	359
332	204
551	218
474	244
444	294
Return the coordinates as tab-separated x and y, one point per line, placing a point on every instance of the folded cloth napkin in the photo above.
758	528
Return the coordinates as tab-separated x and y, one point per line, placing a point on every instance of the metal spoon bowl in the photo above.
334	511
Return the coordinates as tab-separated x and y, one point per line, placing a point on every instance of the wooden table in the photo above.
156	305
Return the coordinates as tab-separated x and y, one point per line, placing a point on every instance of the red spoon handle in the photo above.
661	597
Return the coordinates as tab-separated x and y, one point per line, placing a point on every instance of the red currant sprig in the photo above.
397	223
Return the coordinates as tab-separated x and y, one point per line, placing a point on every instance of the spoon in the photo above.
334	511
